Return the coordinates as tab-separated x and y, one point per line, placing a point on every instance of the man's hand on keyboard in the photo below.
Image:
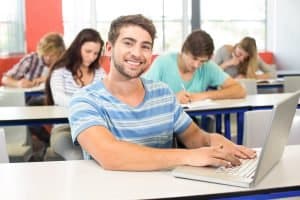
211	156
237	150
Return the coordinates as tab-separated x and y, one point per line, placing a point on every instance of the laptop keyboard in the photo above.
246	169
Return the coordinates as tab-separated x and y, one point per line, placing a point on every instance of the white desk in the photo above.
38	90
262	100
257	100
26	115
270	86
238	106
288	72
40	87
87	180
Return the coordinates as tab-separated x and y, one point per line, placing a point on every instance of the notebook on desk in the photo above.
197	104
270	81
279	128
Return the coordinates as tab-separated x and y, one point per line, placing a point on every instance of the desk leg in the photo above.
204	122
240	127
227	126
218	123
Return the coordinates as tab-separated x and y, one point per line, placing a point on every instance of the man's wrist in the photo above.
18	84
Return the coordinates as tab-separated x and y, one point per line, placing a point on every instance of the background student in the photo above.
33	68
32	71
77	68
190	73
242	60
126	122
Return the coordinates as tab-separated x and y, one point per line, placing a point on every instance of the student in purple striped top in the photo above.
126	122
33	68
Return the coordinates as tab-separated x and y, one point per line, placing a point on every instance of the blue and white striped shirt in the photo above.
152	123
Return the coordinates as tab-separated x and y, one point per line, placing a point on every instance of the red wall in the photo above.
7	62
41	17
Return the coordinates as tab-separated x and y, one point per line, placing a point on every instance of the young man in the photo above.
190	73
33	68
128	123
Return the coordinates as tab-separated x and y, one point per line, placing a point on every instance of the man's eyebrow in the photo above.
134	40
129	38
148	43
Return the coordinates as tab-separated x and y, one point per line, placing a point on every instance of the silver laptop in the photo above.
251	171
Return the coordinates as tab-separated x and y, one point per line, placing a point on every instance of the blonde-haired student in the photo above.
33	68
242	60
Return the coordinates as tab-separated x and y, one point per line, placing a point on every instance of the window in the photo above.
226	21
168	16
231	20
12	27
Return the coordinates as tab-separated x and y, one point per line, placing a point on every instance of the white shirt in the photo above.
63	85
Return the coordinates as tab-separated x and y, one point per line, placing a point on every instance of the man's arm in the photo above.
8	81
15	77
40	80
194	137
11	82
114	154
231	89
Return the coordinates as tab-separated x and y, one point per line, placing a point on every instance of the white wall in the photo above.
283	32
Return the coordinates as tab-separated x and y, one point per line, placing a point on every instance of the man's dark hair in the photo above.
137	20
198	43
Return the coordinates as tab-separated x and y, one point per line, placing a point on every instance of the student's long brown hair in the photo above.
71	59
249	66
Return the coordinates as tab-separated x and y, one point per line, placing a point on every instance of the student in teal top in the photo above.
190	73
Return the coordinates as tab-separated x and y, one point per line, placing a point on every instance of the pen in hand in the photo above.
187	95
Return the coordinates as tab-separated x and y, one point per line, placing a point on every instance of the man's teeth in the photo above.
134	63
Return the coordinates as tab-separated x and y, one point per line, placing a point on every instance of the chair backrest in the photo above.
291	83
250	85
14	134
3	150
12	97
255	128
18	139
267	57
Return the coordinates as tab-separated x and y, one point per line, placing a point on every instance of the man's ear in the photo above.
108	49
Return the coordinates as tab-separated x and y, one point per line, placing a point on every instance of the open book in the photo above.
272	81
197	104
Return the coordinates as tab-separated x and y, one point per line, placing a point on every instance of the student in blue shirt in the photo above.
190	73
126	122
